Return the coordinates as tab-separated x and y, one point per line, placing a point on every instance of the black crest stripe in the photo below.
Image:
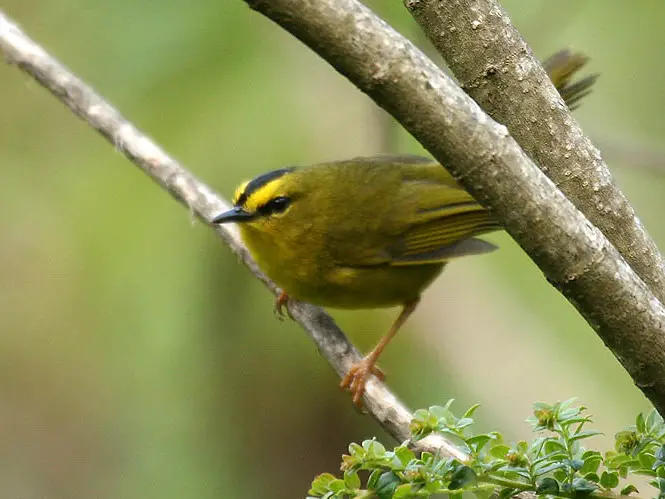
260	181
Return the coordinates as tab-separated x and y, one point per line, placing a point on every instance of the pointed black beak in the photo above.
235	214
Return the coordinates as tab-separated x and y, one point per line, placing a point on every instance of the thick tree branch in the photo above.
204	203
574	255
497	68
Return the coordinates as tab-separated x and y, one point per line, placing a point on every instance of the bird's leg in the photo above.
356	379
280	303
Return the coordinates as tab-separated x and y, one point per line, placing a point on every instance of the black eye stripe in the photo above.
275	205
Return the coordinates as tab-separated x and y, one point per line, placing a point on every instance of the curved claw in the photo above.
281	302
356	379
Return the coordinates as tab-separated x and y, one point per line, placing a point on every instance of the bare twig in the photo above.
497	68
20	50
574	255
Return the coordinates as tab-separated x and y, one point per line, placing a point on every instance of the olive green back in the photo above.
396	210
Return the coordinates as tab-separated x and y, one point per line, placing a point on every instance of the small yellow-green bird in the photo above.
364	233
367	232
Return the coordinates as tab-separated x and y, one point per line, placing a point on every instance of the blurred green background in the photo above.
140	359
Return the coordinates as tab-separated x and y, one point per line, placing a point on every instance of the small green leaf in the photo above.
659	483
552	445
321	484
647	460
421	414
643	472
373	479
575	420
443	414
551	467
434	486
351	479
592	477
496	465
337	485
575	464
582	487
584	434
463	423
591	463
614	460
499	451
356	450
404	454
609	480
374	449
477	442
547	486
640	424
470	411
560	475
623	471
628	489
567	403
462	476
386	485
523	472
654	423
403	491
554	456
660	453
660	458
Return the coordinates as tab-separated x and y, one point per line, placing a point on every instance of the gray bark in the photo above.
572	253
496	67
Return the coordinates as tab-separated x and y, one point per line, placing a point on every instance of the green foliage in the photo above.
554	463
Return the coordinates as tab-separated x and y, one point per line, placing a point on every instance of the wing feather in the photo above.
443	219
428	218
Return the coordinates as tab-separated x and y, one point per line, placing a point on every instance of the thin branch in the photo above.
21	51
574	255
498	70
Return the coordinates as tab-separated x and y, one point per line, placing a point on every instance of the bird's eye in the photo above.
275	205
